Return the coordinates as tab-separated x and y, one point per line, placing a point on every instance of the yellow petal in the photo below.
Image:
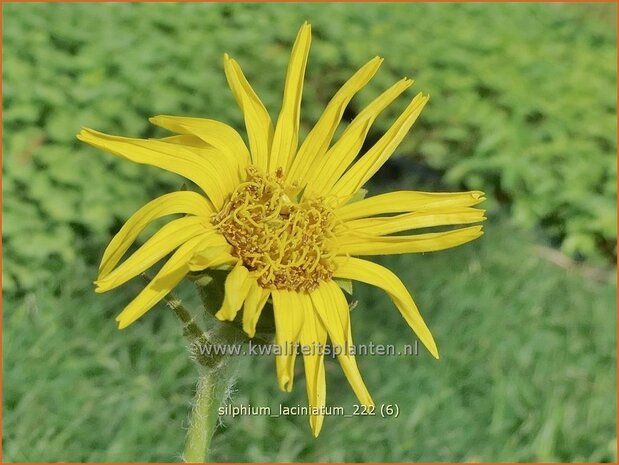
187	139
288	323
164	241
257	119
369	163
254	303
286	136
314	338
406	201
233	167
414	220
332	308
319	138
386	245
168	277
206	173
215	133
236	288
330	166
213	252
187	202
379	276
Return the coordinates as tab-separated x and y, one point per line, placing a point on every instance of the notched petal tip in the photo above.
100	286
478	195
284	383
102	283
306	29
122	322
84	135
406	82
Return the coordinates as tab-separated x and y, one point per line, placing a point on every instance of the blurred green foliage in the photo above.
523	105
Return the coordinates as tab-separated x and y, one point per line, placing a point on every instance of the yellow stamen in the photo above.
286	243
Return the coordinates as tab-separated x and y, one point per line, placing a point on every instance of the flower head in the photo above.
285	220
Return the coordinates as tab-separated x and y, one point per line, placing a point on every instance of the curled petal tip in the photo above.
283	383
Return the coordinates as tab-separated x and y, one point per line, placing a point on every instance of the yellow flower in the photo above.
286	221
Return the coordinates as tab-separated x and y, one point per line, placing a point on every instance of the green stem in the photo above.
191	330
216	369
210	392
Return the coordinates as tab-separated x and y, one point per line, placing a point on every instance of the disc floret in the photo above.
284	240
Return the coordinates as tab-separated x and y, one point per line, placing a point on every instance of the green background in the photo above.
523	106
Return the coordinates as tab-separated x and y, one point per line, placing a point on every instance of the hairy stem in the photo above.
210	392
217	369
191	329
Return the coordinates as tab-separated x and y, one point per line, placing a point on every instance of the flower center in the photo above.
284	241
